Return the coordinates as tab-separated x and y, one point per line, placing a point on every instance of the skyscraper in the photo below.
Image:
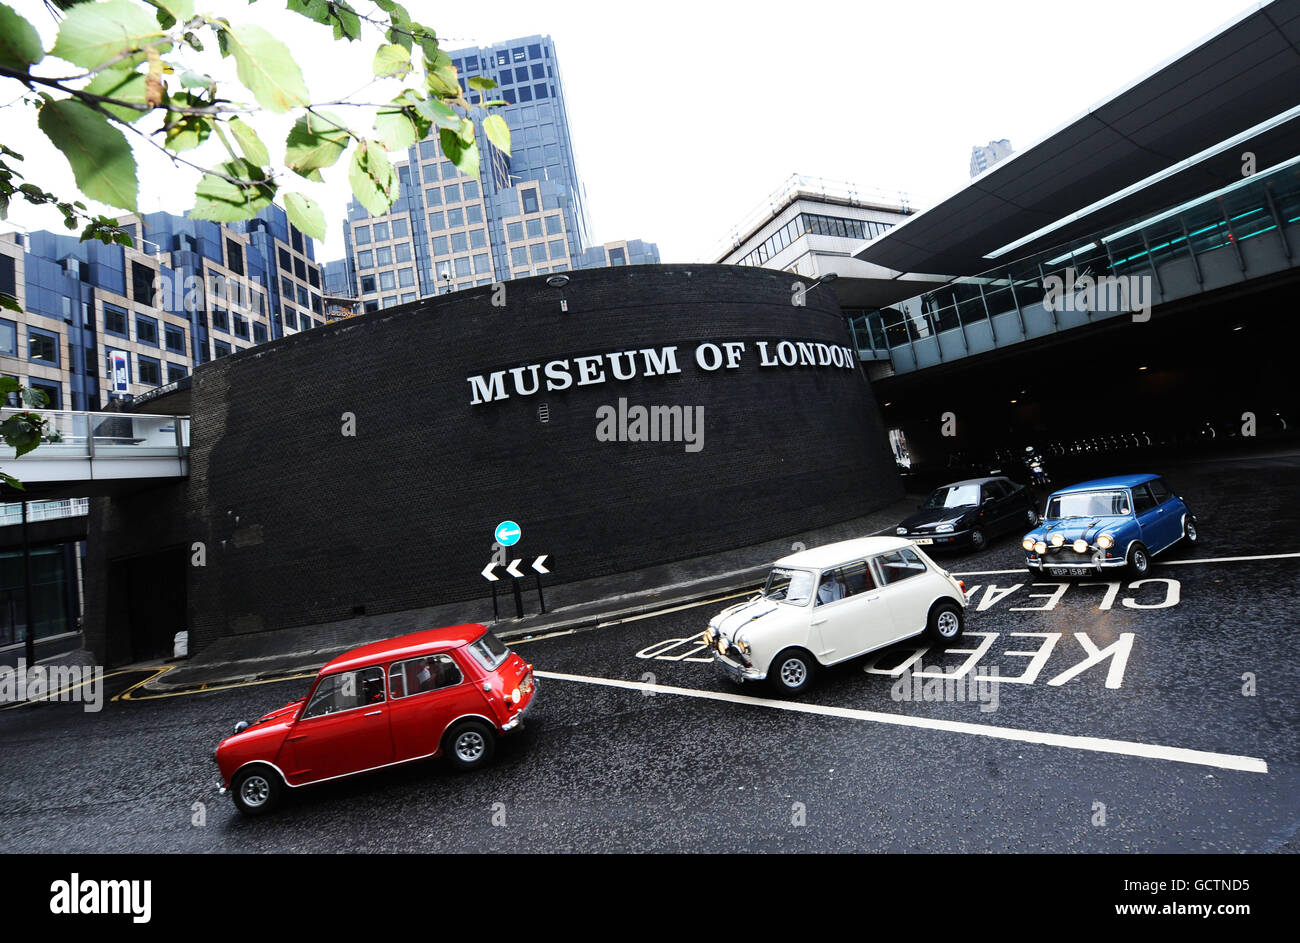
982	158
525	215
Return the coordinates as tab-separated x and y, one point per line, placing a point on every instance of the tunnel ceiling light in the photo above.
558	281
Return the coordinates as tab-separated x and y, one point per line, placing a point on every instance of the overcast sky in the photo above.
685	115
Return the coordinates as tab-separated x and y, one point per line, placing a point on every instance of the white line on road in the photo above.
1245	764
1263	556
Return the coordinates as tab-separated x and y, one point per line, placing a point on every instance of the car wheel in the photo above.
1031	517
791	671
1139	561
1189	529
977	539
256	791
946	623
470	745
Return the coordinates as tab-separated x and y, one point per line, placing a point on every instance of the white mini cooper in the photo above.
829	604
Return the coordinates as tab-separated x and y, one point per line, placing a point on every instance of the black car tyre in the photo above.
469	744
1139	561
946	623
978	540
1189	529
1031	517
791	671
256	790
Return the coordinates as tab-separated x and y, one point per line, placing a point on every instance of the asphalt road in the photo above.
641	747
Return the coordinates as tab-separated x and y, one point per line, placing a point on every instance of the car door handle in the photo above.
873	598
296	739
373	713
817	621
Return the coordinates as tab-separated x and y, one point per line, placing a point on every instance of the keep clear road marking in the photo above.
1265	556
1245	764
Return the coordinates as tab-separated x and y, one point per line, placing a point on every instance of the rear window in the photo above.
489	651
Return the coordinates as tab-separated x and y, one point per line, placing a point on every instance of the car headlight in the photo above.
1081	546
743	645
944	529
1040	547
722	646
900	530
1058	540
1027	543
516	696
708	637
1105	541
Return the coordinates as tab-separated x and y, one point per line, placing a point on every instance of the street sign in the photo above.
120	372
540	564
513	568
507	533
487	573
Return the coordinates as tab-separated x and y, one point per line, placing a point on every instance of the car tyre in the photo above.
978	540
1031	516
256	790
469	745
946	623
791	671
1139	561
1189	529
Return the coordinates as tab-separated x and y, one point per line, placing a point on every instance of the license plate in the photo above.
1061	571
923	540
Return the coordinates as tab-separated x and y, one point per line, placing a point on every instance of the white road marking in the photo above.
1245	764
1262	556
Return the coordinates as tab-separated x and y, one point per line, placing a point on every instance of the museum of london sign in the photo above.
562	373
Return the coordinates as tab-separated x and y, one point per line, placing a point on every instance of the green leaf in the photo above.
9	384
266	68
99	154
190	79
93	33
221	201
392	60
443	115
34	398
498	132
372	178
305	214
11	303
22	432
481	82
124	84
249	142
346	22
170	12
20	44
11	481
316	140
402	123
186	132
464	156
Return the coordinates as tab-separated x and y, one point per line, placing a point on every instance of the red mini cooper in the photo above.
448	691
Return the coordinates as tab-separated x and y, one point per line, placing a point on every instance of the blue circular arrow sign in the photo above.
508	533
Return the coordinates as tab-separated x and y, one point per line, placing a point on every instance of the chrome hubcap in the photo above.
793	673
1032	517
948	624
1191	531
977	538
255	790
1140	562
470	746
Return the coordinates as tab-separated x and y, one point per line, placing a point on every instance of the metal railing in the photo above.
12	513
105	435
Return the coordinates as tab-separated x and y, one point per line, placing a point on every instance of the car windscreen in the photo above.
789	586
489	651
1088	504
954	496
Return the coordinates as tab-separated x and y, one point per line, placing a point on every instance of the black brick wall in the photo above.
401	515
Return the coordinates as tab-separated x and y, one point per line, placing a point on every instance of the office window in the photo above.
557	248
439	245
538	251
8	276
459	242
175	338
432	196
286	263
403	251
367	284
300	269
515	231
437	221
259	332
452	192
90	362
175	372
366	258
361	235
42	347
313	277
219	320
53	393
146	330
241	326
481	264
386	281
390	301
286	287
519	255
617	257
470	188
478	239
406	277
142	278
530	200
428	151
408	296
8	338
87	316
540	91
553	226
381	232
539	71
455	217
302	297
384	256
149	371
401	229
534	228
462	267
315	303
473	213
221	348
290	318
234	256
295	239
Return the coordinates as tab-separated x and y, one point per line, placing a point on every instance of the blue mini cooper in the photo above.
1107	524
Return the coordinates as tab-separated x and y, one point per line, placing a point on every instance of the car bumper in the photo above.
1082	567
734	671
958	538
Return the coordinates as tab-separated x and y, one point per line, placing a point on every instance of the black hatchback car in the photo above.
968	513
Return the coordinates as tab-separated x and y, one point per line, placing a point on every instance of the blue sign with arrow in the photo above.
508	533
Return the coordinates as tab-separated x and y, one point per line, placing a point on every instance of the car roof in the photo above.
428	642
816	558
1115	481
973	481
